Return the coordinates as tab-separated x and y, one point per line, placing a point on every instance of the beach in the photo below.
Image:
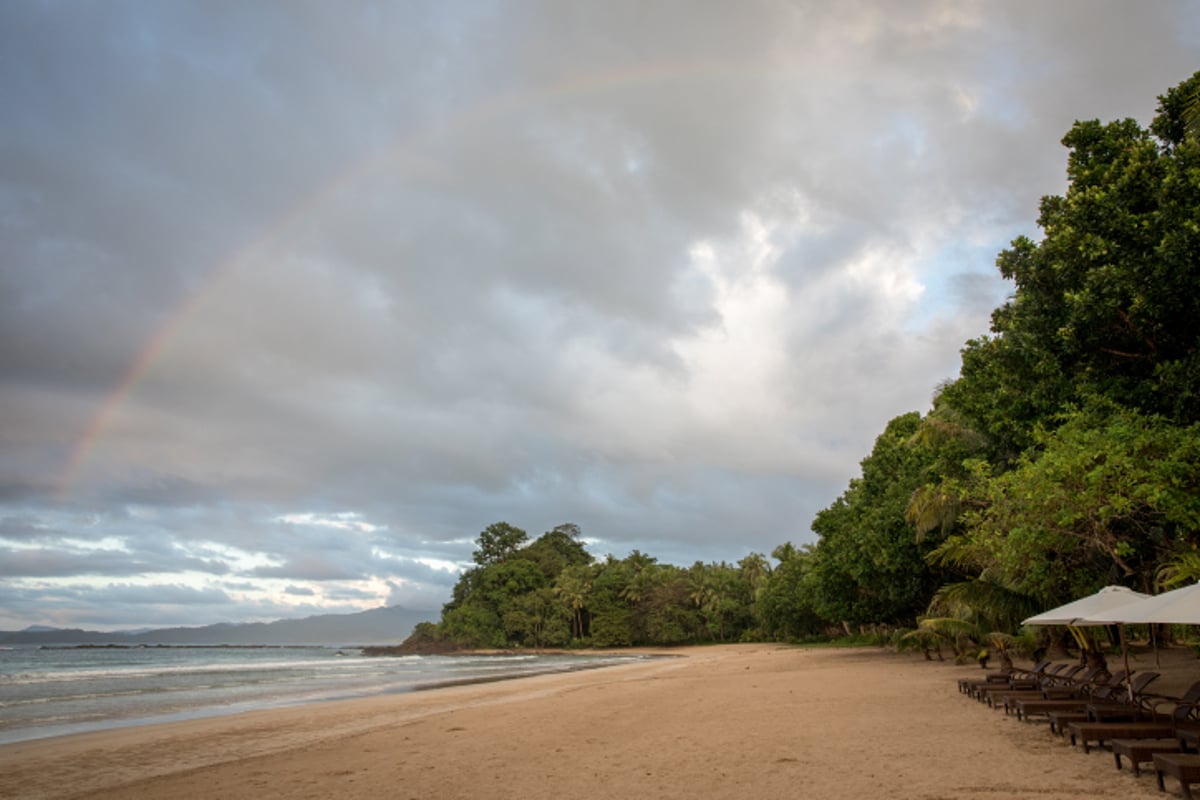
727	721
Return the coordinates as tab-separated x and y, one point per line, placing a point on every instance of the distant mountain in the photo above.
388	625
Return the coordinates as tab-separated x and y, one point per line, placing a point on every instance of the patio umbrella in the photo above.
1176	607
1078	612
1089	611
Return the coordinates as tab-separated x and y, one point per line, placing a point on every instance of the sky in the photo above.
297	298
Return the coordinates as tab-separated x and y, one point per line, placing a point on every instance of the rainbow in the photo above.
404	151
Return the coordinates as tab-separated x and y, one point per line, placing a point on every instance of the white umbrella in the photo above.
1079	612
1089	610
1177	607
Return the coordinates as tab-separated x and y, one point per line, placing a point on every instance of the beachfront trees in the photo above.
551	592
1110	495
786	606
1078	414
574	587
1091	378
1107	303
1064	456
503	599
722	597
536	619
868	567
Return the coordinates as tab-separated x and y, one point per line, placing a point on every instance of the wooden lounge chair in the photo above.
1132	705
996	698
1110	705
967	685
1023	683
1184	716
1099	686
1183	767
1019	679
1139	751
1071	688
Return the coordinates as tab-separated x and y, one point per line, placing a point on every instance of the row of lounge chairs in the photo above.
1095	708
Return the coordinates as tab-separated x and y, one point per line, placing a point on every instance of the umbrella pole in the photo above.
1125	656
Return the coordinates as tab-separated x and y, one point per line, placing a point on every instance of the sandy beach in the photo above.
716	722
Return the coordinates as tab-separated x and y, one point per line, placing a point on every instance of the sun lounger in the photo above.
1139	751
1110	704
996	697
1086	733
1182	718
984	694
1183	767
1072	698
1063	716
1018	679
968	685
1072	689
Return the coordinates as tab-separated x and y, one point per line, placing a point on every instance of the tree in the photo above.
498	542
1110	495
537	619
574	588
610	612
868	566
785	608
557	549
1107	303
754	570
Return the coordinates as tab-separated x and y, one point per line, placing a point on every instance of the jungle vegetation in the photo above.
1064	457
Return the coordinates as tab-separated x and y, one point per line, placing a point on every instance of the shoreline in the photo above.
64	713
718	721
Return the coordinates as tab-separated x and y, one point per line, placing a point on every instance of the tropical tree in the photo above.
1106	303
557	549
498	542
1111	495
868	566
537	619
574	588
785	607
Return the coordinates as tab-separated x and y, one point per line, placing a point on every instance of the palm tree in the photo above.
641	583
754	569
1184	568
574	587
934	506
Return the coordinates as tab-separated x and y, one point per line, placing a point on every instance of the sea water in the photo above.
55	691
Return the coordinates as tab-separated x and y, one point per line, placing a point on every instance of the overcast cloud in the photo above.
295	299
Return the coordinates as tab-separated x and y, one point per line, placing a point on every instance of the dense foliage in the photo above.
1065	456
552	593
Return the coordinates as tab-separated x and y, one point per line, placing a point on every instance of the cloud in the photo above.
295	304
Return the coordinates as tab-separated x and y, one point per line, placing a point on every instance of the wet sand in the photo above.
732	721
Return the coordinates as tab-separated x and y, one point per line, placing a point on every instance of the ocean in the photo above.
55	691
